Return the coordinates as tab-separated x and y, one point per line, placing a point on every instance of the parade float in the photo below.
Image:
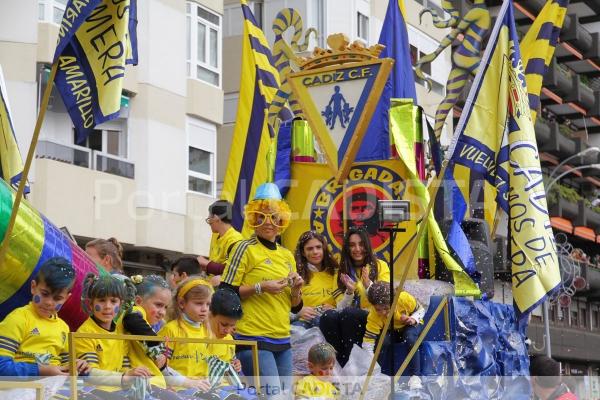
354	140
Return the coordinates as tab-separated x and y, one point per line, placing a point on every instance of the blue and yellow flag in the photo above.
11	163
495	137
247	166
537	48
96	39
400	84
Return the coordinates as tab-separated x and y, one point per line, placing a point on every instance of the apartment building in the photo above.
147	177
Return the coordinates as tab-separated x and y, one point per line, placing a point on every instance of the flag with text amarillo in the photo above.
247	165
96	39
495	137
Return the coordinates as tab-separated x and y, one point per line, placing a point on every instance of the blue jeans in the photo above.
275	370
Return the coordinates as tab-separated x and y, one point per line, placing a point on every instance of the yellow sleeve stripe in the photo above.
235	260
9	341
126	362
89	357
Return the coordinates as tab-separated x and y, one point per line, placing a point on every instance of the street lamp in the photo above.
581	153
552	183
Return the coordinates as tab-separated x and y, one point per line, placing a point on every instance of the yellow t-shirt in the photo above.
138	357
320	289
219	252
311	387
383	274
407	305
105	354
27	337
266	316
189	359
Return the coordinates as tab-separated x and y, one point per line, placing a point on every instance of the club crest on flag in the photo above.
338	91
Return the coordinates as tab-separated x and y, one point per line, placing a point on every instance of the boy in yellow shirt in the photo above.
33	339
317	385
408	321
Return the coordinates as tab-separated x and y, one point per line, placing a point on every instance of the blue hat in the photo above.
267	191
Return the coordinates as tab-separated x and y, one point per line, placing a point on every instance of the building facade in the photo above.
147	177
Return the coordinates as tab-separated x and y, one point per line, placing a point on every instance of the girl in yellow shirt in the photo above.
186	365
359	269
102	298
318	269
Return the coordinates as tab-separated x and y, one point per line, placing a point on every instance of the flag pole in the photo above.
413	252
28	161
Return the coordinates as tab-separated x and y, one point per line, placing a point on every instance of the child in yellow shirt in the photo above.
408	321
102	298
186	365
33	339
317	385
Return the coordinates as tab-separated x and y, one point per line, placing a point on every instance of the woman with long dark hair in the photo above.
317	267
359	269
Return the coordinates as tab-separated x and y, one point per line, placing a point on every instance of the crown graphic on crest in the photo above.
340	51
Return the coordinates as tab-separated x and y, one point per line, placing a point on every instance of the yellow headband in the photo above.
191	284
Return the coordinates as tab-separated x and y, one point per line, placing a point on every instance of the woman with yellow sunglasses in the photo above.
264	275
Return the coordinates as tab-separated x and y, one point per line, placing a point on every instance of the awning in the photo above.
562	224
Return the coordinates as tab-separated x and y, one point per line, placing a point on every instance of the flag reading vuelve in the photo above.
96	39
495	137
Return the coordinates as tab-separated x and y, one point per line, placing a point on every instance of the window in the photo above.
362	27
51	10
202	146
584	318
574	318
258	11
203	44
595	319
109	141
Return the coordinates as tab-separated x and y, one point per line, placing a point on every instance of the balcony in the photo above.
86	158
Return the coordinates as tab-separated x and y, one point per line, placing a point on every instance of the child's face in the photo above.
105	309
195	308
382	309
322	370
222	326
45	302
155	305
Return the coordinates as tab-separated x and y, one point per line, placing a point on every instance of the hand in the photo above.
82	367
160	361
297	281
201	384
307	313
237	365
52	370
215	280
203	261
349	283
133	372
364	276
406	320
274	286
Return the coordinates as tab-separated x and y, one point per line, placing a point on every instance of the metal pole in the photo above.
581	153
547	343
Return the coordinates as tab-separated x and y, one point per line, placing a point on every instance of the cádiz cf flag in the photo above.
496	138
96	39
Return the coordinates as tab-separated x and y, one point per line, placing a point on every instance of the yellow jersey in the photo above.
223	244
27	337
138	357
320	289
406	305
266	316
189	359
383	275
105	354
311	387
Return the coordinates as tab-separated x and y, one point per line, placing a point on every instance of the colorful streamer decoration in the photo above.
34	240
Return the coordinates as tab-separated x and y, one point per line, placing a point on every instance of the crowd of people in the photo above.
250	289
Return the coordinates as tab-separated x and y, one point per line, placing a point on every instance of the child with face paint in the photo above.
102	298
321	361
33	339
188	314
153	296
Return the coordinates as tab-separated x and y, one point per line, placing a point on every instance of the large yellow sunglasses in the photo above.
258	218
